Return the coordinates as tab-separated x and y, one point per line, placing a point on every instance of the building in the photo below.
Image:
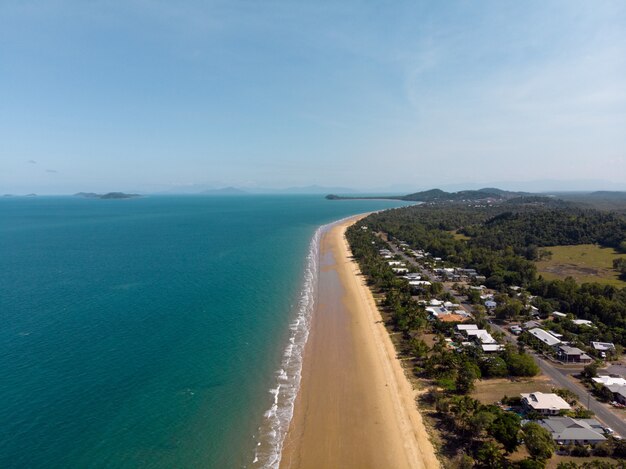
569	354
492	348
558	314
567	430
466	327
490	304
603	346
531	325
616	385
480	335
544	403
544	337
583	322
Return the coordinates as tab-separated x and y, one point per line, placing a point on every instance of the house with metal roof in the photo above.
569	354
544	337
567	430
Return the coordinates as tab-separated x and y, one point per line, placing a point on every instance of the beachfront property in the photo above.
567	430
544	403
544	338
569	354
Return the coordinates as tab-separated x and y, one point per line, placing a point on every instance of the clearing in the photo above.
585	262
492	390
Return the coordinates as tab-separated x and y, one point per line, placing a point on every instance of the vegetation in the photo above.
502	242
585	263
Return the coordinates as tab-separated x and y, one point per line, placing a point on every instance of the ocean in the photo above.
160	332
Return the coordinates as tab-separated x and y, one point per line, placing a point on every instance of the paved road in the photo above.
562	378
607	415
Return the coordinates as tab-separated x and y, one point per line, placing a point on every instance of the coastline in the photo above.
355	408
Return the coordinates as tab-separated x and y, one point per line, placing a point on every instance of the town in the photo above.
580	397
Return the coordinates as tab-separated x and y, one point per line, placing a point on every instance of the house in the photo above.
419	284
400	270
480	335
569	354
583	322
436	311
531	325
616	385
492	348
544	403
558	314
544	337
603	346
619	393
567	430
466	327
609	380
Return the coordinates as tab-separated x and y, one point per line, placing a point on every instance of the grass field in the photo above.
458	236
489	391
585	262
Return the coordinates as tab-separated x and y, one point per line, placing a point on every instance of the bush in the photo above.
580	451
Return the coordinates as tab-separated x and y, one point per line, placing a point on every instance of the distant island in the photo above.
108	195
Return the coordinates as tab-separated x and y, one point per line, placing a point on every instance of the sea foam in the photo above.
277	418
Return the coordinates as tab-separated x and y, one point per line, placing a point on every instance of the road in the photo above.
561	377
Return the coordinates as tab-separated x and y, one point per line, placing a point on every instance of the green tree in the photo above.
468	373
489	456
590	370
538	441
505	429
521	364
530	464
496	367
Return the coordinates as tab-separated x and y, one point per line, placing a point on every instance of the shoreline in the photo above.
355	407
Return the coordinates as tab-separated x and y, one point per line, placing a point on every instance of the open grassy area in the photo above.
460	236
489	391
585	262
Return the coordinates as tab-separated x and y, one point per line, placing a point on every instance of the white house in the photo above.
583	322
544	337
544	403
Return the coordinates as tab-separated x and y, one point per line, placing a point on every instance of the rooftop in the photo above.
567	429
544	337
550	401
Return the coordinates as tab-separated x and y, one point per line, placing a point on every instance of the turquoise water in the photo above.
147	332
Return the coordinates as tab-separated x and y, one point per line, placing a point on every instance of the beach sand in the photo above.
355	407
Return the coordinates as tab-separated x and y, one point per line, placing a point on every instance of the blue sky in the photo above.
159	95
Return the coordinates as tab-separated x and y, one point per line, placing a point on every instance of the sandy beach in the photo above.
355	407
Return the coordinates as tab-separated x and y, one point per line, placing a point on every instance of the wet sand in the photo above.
355	407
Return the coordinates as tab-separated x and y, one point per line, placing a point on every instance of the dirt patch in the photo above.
489	391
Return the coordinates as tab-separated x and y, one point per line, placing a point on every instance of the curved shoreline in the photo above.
355	407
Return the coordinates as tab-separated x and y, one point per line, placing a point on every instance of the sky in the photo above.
158	96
